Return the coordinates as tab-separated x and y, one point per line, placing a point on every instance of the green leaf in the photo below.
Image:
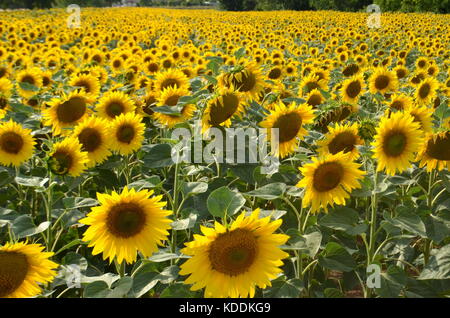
5	177
28	87
122	287
143	282
437	227
184	224
96	289
190	188
178	290
309	243
407	221
282	288
333	293
158	156
336	257
169	110
438	266
270	191
224	202
163	256
23	226
35	182
147	183
78	203
343	219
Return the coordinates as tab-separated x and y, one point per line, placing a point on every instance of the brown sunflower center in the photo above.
439	148
221	112
3	102
13	270
397	104
71	110
275	73
382	82
28	79
401	73
152	67
117	64
172	100
288	125
85	84
344	141
169	82
2	71
11	142
60	162
125	134
46	81
314	100
353	89
350	70
233	253
394	143
126	220
90	139
246	83
424	90
327	176
114	109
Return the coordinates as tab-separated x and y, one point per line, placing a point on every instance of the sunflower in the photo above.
352	89
5	93
171	78
310	83
93	136
382	81
113	104
28	77
247	79
170	97
88	83
16	144
435	152
315	98
127	223
401	72
66	112
67	158
398	138
221	109
426	91
128	133
22	268
422	115
341	137
147	103
232	261
400	102
329	179
289	120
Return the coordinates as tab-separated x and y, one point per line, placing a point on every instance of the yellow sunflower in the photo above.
382	81
113	104
311	82
16	144
397	140
170	97
329	180
290	121
435	152
315	98
127	131
341	137
426	91
23	267
422	115
93	136
171	79
30	76
66	112
127	223
5	94
232	261
88	83
67	158
352	89
400	102
221	109
247	79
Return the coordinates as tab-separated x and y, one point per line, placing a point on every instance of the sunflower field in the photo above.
93	203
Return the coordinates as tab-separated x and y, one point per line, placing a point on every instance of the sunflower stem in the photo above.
175	207
120	268
427	242
373	223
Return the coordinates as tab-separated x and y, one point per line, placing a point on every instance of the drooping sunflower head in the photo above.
23	267
289	121
67	158
247	79
398	139
87	83
172	78
233	261
170	97
341	137
147	103
113	104
329	179
352	89
383	81
127	223
426	91
93	136
66	112
435	153
16	144
222	108
127	132
367	129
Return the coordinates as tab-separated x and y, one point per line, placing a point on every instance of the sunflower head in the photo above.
16	144
127	132
341	137
222	108
435	152
383	81
113	104
247	79
67	158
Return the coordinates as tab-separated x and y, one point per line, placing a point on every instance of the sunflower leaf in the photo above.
224	202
